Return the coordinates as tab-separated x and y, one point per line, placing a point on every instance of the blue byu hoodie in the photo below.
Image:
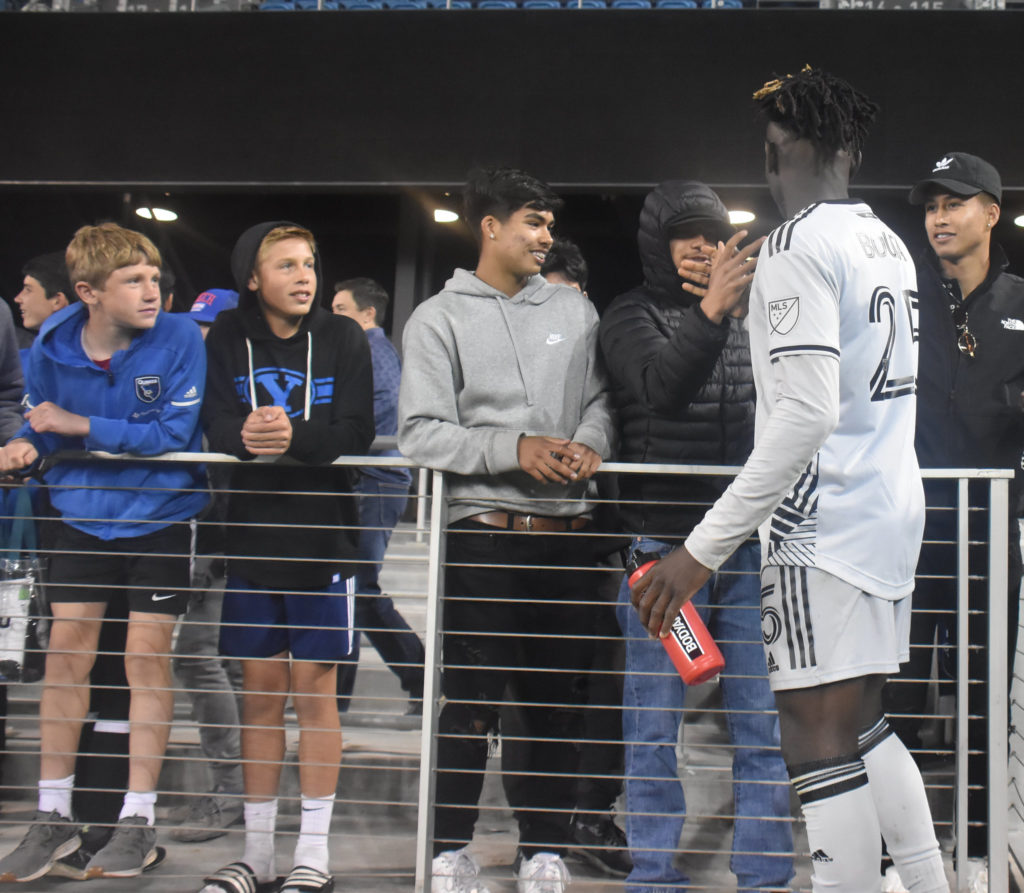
147	403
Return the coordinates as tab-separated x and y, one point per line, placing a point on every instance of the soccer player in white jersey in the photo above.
834	486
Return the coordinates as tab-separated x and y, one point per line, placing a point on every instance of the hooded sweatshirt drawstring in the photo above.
515	350
309	376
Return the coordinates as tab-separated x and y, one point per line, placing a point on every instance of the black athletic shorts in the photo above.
153	569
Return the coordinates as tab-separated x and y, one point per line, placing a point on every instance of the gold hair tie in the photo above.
776	85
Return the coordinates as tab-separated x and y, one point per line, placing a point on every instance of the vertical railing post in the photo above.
431	681
421	504
962	567
998	673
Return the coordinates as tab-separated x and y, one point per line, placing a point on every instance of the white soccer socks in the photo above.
311	847
842	827
902	808
55	794
260	821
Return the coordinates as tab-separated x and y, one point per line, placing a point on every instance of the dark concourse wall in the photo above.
375	100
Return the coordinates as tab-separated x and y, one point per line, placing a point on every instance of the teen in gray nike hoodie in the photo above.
480	369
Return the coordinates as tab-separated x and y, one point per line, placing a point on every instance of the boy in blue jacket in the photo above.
111	373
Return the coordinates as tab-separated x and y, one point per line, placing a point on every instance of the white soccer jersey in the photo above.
833	284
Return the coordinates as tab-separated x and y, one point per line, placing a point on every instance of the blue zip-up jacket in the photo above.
147	403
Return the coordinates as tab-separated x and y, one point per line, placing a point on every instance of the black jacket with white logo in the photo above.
969	409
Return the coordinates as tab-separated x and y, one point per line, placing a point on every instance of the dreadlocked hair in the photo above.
817	106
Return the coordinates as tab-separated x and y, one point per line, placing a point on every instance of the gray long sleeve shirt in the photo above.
480	369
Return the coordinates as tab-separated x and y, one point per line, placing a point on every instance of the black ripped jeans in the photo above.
513	614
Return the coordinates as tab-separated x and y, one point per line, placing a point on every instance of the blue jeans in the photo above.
656	805
381	506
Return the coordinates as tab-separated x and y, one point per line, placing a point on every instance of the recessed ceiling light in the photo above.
739	217
443	215
161	214
1019	220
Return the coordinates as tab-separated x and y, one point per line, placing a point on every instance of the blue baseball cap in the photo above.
211	302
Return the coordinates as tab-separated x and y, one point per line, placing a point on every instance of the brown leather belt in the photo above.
531	523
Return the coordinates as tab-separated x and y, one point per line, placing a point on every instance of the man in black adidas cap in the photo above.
969	414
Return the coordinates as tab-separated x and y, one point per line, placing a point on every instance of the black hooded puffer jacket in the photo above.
683	385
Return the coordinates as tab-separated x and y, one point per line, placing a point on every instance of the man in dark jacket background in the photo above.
969	415
683	386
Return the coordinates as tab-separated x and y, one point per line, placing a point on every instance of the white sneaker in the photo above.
454	871
977	876
544	873
891	882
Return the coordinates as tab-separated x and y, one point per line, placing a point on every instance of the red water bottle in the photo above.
689	644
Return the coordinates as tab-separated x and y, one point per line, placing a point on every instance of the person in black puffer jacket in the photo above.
684	390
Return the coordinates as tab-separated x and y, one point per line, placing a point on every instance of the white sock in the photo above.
902	807
260	819
55	793
140	803
311	848
842	827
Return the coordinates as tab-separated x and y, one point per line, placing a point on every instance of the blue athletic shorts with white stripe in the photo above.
258	621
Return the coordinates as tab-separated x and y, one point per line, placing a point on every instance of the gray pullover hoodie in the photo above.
480	369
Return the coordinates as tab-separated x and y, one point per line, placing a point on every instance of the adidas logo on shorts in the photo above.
772	666
820	856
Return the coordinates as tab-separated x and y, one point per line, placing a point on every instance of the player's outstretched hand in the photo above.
723	283
18	454
541	457
267	431
659	595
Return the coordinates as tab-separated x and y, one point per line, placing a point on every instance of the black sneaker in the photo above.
50	837
128	853
601	843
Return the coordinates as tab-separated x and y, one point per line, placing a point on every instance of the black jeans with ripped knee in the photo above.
517	608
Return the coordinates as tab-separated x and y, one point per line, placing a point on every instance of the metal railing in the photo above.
994	576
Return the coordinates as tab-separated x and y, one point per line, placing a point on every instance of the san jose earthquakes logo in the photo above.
771	625
783	314
147	388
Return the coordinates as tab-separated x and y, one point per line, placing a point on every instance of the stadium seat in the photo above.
496	4
631	4
722	4
406	4
273	5
542	4
586	4
676	4
360	4
315	4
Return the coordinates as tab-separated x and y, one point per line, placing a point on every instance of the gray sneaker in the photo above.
129	851
50	837
207	818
